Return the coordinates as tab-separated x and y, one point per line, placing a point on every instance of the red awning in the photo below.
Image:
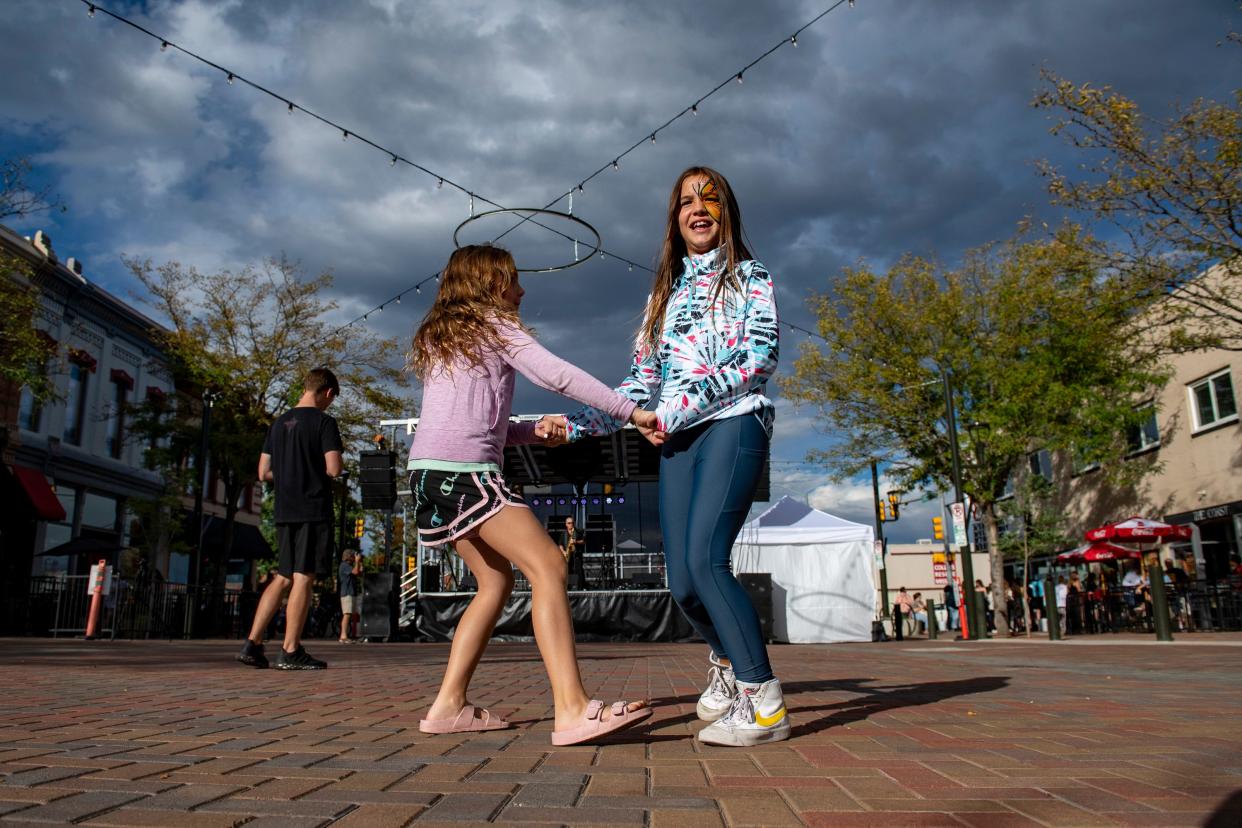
46	505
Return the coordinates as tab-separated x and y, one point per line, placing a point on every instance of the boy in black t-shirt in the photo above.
301	454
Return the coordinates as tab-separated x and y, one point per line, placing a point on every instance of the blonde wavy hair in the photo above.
673	250
459	329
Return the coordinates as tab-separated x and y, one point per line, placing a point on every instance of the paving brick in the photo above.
125	817
458	807
380	816
76	807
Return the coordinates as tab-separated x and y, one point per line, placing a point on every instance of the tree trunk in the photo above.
996	563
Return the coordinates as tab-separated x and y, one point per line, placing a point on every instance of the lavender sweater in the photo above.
465	412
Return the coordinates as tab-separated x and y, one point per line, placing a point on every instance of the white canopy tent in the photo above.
821	566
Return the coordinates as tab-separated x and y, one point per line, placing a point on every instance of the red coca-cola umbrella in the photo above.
1139	530
1096	552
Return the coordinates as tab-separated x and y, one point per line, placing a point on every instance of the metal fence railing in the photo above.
58	605
1200	608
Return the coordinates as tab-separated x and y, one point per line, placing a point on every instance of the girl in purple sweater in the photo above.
467	351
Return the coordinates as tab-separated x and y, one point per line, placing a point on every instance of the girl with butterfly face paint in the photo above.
708	344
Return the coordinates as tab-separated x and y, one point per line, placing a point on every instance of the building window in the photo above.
1145	435
122	384
1212	400
80	367
29	411
1083	462
1041	464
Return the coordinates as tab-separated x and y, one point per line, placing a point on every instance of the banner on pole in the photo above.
958	511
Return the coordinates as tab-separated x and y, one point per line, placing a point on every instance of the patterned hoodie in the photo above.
713	360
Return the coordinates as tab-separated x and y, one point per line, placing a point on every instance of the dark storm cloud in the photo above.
893	127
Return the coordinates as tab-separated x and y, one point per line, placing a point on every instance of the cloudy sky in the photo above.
894	126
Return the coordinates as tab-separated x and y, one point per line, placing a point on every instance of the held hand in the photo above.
553	429
645	419
656	438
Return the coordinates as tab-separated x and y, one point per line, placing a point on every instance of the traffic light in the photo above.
938	527
883	511
359	525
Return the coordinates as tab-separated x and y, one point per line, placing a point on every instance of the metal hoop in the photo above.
540	211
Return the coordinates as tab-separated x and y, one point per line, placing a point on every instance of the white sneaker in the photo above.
757	715
720	693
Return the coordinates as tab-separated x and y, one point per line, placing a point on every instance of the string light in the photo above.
440	180
398	298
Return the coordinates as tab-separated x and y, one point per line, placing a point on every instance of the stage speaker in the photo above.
646	580
758	586
375	620
377	479
429	578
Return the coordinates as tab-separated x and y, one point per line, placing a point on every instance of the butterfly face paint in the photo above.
711	199
699	214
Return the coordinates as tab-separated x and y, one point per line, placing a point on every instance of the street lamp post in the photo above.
973	616
879	536
194	589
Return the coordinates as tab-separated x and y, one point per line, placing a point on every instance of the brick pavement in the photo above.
920	733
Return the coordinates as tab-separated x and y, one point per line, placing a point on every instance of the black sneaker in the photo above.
299	659
252	655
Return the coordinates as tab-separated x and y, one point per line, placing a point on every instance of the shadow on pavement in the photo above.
1228	814
871	700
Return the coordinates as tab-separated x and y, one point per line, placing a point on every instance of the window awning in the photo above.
46	505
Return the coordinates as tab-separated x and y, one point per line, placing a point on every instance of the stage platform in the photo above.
613	615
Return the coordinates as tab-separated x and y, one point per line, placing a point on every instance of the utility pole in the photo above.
973	616
879	535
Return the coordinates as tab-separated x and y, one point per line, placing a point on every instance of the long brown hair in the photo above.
673	250
459	327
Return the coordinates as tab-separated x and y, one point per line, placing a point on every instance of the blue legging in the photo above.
708	476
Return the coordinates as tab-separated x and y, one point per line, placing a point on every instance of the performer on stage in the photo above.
708	344
466	352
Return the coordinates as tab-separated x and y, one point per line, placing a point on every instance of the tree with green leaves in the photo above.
23	352
249	337
1034	336
1174	187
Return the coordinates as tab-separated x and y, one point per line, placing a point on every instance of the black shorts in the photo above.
305	548
451	505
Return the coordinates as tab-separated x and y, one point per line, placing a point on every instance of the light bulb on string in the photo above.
615	164
601	254
290	107
392	162
440	184
344	134
630	268
694	109
793	41
90	11
851	4
231	78
581	186
398	298
418	290
739	77
653	137
163	45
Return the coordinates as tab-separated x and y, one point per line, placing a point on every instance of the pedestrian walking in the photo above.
301	455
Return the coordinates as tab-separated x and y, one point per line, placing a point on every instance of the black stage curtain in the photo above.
633	615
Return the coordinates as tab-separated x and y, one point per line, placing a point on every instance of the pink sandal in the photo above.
464	722
594	725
